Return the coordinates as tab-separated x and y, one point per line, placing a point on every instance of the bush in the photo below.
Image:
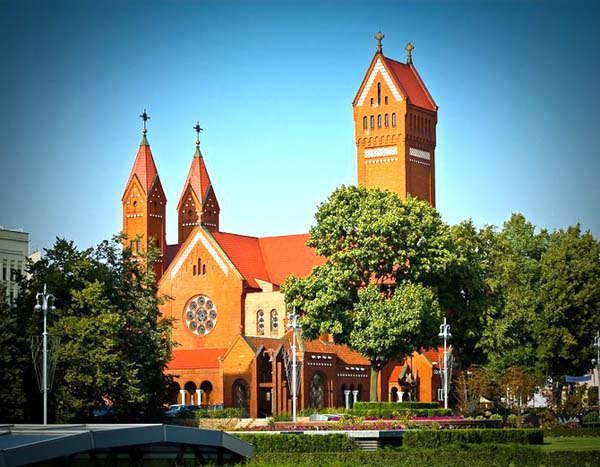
567	432
395	405
216	413
398	412
476	456
280	443
430	439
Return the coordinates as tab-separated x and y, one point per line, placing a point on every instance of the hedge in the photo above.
395	405
558	432
482	456
265	443
429	439
399	412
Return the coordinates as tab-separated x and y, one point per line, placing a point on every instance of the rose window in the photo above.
200	315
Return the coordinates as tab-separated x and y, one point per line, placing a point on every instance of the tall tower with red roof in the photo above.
395	121
198	203
144	204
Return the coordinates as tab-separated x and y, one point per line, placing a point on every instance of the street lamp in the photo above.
45	303
597	361
294	325
445	334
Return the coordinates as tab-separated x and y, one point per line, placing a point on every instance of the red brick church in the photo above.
230	317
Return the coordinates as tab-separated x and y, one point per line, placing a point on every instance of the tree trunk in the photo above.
374	379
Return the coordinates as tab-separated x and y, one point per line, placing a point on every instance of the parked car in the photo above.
176	409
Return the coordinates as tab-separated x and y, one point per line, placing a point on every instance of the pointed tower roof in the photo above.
143	166
401	77
197	176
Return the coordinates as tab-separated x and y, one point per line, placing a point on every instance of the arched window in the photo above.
371	102
241	396
260	323
372	121
385	100
365	122
378	93
274	321
387	120
394	119
190	387
379	121
317	391
206	388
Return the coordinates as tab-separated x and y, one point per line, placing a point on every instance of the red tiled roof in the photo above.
411	83
343	352
143	166
433	355
271	259
199	358
288	254
396	373
244	252
267	342
197	177
170	253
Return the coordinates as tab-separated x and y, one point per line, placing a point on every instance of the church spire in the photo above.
379	37
144	204
198	203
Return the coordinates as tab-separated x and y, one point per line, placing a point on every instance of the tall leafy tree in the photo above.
114	344
570	302
13	362
383	258
509	323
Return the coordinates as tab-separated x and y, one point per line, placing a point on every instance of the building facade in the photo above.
230	316
14	250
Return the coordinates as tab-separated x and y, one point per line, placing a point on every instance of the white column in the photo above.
347	398
400	396
182	393
354	396
199	396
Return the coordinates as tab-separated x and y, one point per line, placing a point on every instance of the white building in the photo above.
14	249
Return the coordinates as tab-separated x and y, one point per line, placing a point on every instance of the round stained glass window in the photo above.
200	315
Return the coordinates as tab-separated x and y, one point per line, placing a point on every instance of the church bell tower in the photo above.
395	121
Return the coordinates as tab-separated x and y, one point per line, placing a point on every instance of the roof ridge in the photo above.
422	84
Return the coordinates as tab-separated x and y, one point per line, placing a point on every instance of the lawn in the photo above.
566	443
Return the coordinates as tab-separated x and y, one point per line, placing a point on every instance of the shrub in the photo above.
280	443
398	412
430	439
578	432
395	405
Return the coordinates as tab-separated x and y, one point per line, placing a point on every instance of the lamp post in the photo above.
445	334
294	325
45	303
597	344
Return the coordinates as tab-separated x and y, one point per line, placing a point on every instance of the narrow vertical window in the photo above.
274	321
385	100
372	121
394	119
260	323
379	121
378	93
194	270
204	269
365	122
387	120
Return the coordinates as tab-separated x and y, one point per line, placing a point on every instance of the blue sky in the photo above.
272	84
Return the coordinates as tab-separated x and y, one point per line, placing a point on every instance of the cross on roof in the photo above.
378	37
409	48
145	117
198	130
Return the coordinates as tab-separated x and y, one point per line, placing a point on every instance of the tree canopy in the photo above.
114	344
375	292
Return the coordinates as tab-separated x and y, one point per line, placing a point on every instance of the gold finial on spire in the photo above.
409	48
145	117
198	130
378	37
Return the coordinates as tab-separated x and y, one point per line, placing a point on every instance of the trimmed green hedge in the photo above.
558	432
429	439
395	405
482	456
266	443
399	412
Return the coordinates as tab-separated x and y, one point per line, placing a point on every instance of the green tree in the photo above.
570	302
375	246
513	277
114	344
13	362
